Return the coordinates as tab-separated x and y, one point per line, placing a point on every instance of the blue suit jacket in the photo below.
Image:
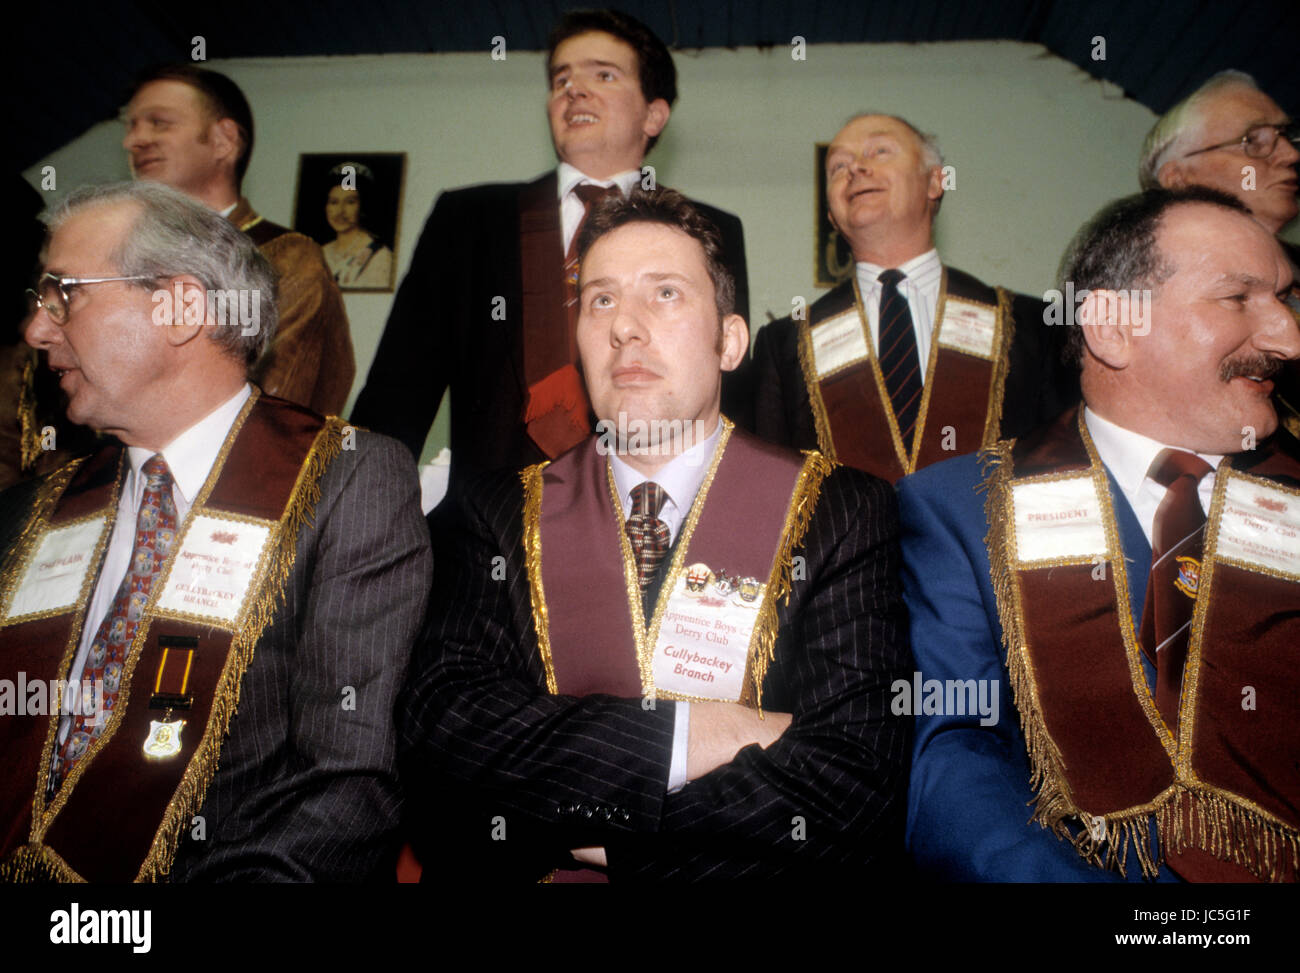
970	802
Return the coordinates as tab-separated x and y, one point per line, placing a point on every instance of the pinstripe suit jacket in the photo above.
482	736
306	787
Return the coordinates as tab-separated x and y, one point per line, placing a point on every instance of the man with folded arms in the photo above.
230	586
666	654
1132	573
910	361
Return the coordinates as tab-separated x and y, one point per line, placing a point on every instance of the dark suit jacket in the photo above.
482	735
969	802
306	785
1038	387
441	333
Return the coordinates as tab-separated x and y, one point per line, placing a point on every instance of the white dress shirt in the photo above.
571	207
1129	455
920	286
680	480
190	457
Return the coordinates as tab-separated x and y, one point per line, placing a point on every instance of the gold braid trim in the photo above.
37	863
298	514
807	490
1006	329
532	480
1053	802
29	439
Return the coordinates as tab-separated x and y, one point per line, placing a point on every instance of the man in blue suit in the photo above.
1081	714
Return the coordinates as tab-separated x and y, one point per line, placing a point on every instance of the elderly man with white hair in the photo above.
231	584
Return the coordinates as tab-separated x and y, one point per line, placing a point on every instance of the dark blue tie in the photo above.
899	361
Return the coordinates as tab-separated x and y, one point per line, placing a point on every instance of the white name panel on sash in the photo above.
57	571
968	327
704	635
838	342
1058	519
1260	526
214	568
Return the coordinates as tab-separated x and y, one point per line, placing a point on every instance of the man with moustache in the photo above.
1149	652
667	653
1230	136
192	129
489	303
910	361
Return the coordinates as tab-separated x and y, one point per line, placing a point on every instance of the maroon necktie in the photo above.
590	196
155	533
900	362
556	408
649	535
1176	542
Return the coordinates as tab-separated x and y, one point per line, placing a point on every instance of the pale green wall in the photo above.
1038	145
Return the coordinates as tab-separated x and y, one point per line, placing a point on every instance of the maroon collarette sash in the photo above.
731	564
556	407
119	814
961	404
1222	785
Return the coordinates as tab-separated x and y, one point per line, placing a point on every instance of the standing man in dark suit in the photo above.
1230	136
909	361
192	129
1149	653
210	582
666	654
488	305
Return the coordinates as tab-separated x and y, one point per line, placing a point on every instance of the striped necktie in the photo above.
649	535
900	363
1176	541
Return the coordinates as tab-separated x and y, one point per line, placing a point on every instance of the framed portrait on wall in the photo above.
351	204
832	258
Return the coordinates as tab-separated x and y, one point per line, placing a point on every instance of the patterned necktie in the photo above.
899	360
155	532
649	535
1176	541
590	196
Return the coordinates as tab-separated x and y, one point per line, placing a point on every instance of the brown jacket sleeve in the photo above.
310	359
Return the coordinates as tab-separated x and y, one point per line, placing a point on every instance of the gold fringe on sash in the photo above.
47	496
531	478
29	439
297	515
1229	832
1218	825
1001	365
803	502
809	368
1053	803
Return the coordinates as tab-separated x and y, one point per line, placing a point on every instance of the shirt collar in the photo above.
1127	454
569	177
192	454
916	270
680	477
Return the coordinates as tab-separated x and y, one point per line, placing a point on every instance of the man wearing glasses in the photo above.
211	583
1230	136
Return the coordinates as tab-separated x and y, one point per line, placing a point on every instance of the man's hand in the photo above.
590	856
721	730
